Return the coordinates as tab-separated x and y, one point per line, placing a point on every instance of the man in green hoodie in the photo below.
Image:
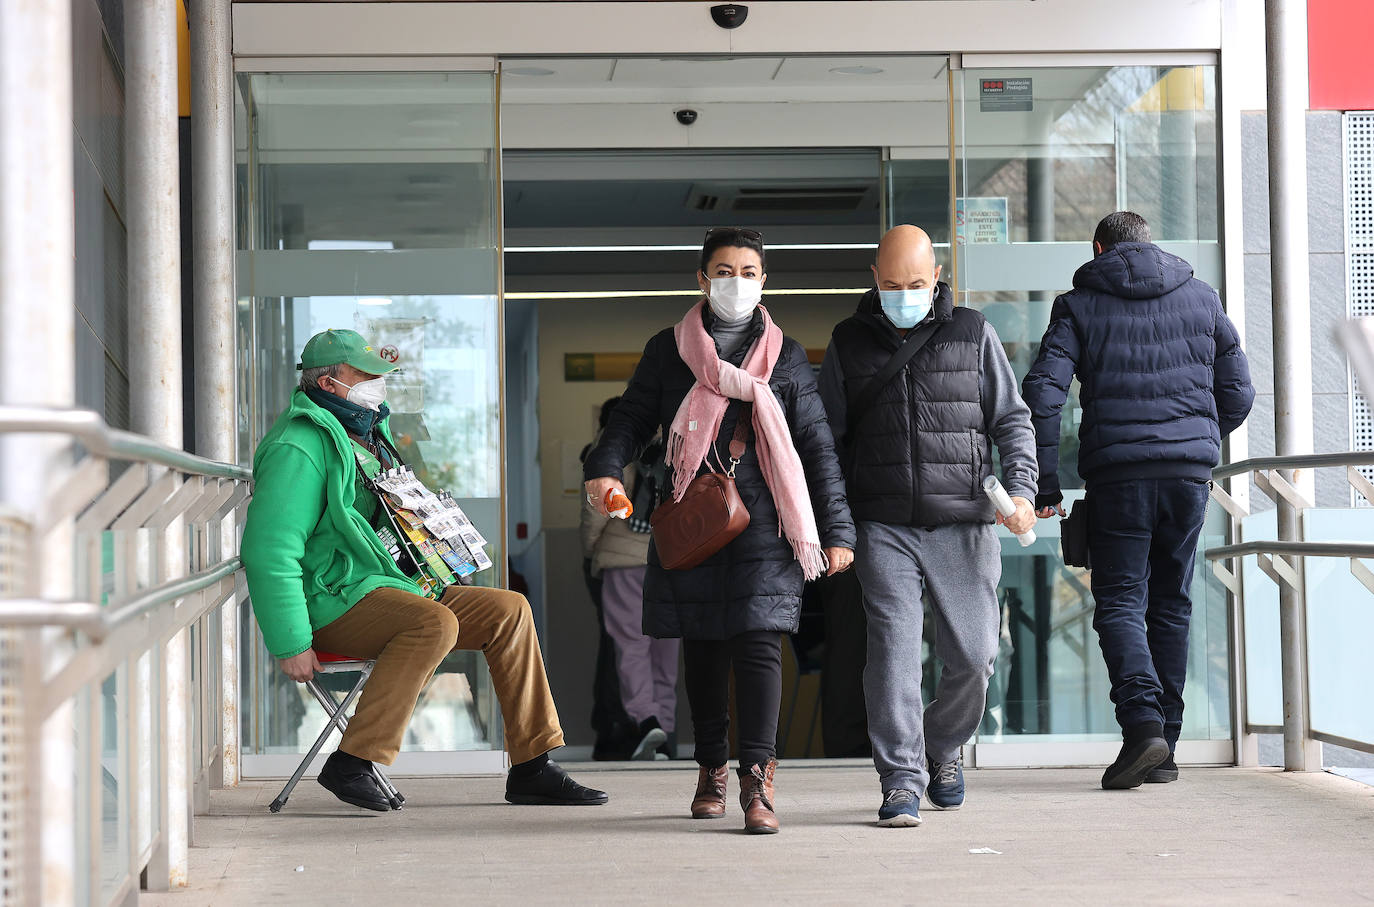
319	577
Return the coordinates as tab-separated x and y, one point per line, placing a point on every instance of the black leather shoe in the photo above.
1138	756
551	786
1163	773
350	779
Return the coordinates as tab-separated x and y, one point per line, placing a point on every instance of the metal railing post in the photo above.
1286	40
155	342
37	366
212	194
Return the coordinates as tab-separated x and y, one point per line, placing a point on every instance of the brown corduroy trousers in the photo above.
409	635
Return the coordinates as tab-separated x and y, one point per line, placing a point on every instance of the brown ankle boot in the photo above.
756	796
709	801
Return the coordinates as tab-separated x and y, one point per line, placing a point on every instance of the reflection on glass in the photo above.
372	206
114	835
1093	141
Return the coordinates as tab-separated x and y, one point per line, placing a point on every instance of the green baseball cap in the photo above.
335	347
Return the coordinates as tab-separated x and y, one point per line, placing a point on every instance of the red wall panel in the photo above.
1340	35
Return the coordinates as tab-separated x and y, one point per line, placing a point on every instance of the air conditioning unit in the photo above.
810	199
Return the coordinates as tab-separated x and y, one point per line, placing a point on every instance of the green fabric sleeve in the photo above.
288	501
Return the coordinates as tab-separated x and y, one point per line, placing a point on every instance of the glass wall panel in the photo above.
369	201
114	824
1042	156
1340	623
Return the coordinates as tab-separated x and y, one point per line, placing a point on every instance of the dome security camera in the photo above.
729	15
686	116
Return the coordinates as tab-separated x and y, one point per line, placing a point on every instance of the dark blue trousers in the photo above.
1142	536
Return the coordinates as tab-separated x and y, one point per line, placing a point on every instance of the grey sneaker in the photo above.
900	809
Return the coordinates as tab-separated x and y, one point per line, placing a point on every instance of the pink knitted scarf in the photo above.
698	420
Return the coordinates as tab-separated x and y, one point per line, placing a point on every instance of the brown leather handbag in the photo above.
709	516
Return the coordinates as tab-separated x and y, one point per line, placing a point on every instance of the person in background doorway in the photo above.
916	448
1162	381
619	554
616	733
319	576
694	382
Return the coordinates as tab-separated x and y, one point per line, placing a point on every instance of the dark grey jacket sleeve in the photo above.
831	387
1007	418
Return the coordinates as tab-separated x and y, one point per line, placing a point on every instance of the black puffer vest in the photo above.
920	451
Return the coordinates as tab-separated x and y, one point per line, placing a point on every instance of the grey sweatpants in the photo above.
959	567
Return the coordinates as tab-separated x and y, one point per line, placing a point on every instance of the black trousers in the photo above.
844	721
757	661
1143	540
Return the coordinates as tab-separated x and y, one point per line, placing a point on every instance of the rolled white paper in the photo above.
1002	501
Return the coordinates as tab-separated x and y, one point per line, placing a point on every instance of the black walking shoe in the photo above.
550	786
1144	749
651	737
350	779
1163	773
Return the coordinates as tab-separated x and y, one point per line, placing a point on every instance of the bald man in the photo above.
917	392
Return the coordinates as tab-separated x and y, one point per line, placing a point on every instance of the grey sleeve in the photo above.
1008	419
831	385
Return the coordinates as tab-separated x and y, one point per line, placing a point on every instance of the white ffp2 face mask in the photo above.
734	298
368	394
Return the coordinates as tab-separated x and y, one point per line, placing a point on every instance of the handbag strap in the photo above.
895	363
744	426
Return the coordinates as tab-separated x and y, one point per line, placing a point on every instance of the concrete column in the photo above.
1286	40
155	379
212	195
37	367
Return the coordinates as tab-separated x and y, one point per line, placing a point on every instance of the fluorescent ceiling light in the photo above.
349	245
771	247
527	71
857	70
641	294
374	300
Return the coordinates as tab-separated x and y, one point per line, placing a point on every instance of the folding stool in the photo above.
336	710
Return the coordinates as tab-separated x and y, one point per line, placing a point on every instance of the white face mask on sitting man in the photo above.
370	394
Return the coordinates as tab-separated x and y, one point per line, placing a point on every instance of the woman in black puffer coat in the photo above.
730	609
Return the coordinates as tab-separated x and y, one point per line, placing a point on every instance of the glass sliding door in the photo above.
370	201
1042	155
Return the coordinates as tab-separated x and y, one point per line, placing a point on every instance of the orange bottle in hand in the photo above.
617	505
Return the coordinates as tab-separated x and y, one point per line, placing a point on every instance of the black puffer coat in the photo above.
754	583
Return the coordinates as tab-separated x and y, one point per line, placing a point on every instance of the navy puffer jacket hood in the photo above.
1134	271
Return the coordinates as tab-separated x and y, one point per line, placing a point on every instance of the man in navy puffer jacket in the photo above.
1163	380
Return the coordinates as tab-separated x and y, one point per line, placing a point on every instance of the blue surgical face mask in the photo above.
906	308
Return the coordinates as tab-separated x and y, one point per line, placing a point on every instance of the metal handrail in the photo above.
97	622
1299	549
1303	461
88	427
